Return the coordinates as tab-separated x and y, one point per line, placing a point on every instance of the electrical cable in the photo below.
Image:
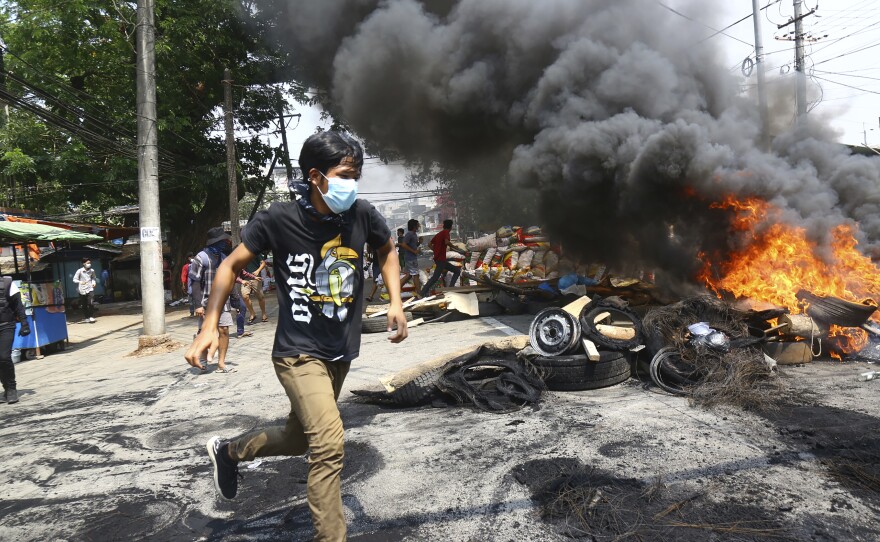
849	86
703	24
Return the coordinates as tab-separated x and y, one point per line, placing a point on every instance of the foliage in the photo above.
76	59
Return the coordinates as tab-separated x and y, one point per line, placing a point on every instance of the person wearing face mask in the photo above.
202	275
317	242
86	280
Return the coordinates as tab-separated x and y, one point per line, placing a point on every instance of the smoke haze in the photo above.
620	119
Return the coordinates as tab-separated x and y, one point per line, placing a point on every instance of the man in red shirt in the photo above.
440	243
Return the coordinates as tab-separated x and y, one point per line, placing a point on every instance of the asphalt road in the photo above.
108	447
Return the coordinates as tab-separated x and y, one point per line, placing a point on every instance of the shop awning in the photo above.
27	232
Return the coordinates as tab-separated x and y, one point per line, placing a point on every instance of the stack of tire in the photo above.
556	335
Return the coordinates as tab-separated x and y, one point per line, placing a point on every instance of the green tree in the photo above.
70	138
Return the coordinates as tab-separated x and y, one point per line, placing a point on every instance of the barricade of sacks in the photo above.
514	254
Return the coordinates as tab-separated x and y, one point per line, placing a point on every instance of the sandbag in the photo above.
505	232
482	243
486	260
525	259
510	260
551	261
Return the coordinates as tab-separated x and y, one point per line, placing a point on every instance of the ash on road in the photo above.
108	447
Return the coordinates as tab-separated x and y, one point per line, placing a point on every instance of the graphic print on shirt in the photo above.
332	289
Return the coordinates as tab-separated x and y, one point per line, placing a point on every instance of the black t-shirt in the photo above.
319	276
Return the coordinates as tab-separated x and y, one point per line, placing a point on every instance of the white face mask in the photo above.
341	193
87	265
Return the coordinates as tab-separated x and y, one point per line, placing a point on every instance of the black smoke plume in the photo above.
619	118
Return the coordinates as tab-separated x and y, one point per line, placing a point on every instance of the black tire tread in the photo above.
418	390
379	323
576	373
576	360
594	385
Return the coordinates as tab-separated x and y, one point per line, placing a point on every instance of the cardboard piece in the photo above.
464	303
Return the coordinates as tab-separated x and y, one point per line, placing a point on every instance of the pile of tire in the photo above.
555	335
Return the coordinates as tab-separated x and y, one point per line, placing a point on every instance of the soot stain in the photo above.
581	501
846	443
281	486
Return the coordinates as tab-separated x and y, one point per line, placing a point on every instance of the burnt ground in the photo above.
104	447
583	501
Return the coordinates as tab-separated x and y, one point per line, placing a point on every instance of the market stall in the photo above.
44	301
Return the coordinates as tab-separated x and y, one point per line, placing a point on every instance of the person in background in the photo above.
252	285
11	310
201	275
400	234
105	282
266	274
410	246
440	243
376	272
86	280
187	285
235	302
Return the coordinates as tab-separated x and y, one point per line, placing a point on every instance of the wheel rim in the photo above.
554	332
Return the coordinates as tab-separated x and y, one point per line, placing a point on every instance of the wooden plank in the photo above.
575	307
591	350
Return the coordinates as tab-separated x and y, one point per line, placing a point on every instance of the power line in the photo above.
703	24
848	86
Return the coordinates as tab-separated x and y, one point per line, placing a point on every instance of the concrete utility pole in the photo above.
762	87
230	157
799	59
282	127
152	290
800	65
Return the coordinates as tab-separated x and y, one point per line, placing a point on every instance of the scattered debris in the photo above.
870	375
161	348
708	376
583	501
491	377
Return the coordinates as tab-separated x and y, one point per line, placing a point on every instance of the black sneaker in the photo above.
225	469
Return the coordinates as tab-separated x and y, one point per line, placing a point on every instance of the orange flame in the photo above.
776	260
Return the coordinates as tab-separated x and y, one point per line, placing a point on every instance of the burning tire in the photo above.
833	310
578	373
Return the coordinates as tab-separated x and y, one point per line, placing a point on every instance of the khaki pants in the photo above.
314	424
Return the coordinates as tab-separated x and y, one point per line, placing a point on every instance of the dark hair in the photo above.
412	224
189	254
86	259
447	224
399	230
326	150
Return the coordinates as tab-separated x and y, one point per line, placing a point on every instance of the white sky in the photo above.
376	176
844	63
